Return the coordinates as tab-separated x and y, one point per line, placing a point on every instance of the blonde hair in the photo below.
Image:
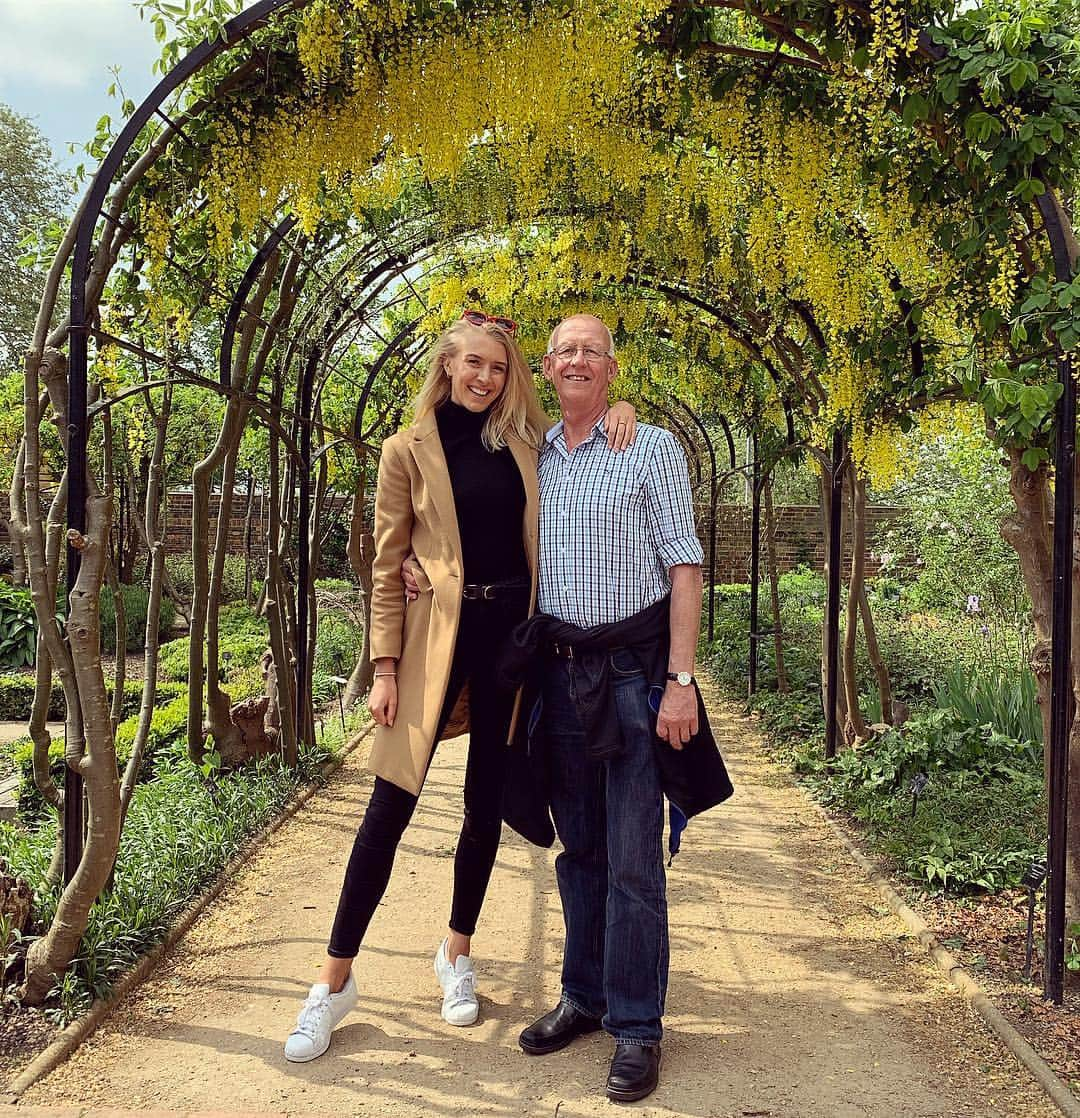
517	409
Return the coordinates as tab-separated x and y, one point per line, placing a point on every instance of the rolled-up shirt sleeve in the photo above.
670	506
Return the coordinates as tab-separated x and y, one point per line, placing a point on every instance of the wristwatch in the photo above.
683	679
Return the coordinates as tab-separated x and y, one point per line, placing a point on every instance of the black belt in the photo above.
489	591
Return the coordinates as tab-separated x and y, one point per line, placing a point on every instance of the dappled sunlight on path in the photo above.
793	994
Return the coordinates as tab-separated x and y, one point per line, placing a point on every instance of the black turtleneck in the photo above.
489	497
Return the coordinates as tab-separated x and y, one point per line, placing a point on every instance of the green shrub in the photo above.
243	637
18	627
979	820
964	834
991	698
936	741
17	697
136	603
337	644
802	597
167	725
181	831
179	566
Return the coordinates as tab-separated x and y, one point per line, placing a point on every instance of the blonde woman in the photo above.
459	490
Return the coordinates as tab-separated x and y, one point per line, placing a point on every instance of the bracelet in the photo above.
386	675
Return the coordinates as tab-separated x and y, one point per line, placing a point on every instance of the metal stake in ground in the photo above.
1031	881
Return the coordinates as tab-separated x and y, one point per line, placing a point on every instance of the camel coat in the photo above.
414	511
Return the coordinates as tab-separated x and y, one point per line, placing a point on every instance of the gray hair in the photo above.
596	318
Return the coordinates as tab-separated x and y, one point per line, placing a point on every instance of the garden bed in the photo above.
183	829
951	805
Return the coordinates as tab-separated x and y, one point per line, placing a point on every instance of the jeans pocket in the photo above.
624	664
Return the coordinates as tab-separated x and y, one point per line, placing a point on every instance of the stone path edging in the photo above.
1056	1089
71	1037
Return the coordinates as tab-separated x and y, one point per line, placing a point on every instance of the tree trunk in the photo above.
219	720
50	955
168	587
274	591
18	558
877	661
120	644
782	684
249	551
201	605
152	531
1028	530
361	552
826	522
855	729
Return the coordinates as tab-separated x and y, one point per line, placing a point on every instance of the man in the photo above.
617	538
615	633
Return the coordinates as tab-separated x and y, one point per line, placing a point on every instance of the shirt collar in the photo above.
557	430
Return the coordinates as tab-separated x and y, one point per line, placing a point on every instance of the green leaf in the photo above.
916	107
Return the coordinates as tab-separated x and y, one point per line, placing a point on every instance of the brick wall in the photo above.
799	537
178	520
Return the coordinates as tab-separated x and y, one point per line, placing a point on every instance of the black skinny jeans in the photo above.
484	626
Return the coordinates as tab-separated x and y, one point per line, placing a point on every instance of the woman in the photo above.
459	489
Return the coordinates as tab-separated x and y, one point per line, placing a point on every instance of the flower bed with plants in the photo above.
185	822
951	802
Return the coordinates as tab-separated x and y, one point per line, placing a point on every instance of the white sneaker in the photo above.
321	1012
460	1005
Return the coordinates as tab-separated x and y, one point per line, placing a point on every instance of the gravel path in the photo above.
793	993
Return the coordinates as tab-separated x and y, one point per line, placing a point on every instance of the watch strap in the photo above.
674	678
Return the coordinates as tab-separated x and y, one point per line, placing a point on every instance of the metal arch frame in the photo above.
303	564
713	494
1061	689
714	485
672	292
838	465
691	447
302	423
1061	692
755	560
395	344
243	290
234	32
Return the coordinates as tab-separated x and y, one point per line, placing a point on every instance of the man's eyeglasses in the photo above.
590	353
479	318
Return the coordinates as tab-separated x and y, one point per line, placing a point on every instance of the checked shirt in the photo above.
612	524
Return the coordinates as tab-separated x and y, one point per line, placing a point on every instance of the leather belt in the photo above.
486	592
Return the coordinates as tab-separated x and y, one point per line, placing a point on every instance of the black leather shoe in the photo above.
635	1072
556	1029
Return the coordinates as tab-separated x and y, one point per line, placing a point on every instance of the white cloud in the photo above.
69	43
55	57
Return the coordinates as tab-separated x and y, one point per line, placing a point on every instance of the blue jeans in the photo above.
609	818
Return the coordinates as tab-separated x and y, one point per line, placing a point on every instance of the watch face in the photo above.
683	679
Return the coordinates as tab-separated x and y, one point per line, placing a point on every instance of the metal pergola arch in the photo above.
79	328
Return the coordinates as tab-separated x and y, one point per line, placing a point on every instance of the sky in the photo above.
54	64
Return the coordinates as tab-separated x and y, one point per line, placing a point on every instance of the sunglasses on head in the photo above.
479	318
